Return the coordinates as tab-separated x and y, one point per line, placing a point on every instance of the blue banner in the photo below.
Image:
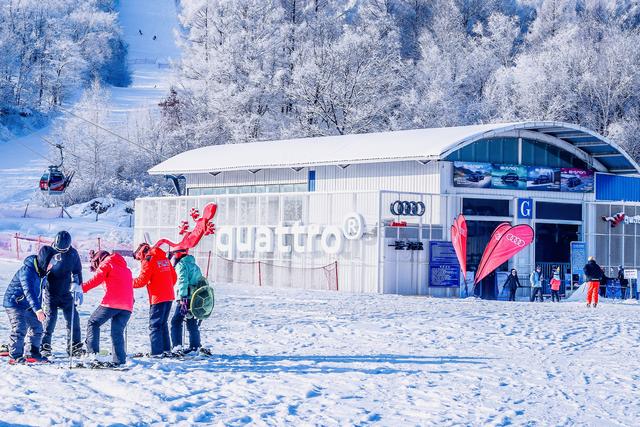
444	269
578	259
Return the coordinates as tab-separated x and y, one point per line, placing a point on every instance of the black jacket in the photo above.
512	283
623	282
592	271
65	266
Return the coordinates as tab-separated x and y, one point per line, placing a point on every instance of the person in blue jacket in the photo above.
64	277
23	305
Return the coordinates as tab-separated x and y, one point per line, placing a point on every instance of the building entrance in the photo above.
553	244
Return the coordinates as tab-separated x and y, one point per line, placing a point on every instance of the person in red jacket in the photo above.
159	276
112	272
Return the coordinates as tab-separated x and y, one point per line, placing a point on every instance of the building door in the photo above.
553	246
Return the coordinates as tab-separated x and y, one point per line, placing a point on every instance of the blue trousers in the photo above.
51	305
119	319
24	323
159	327
176	329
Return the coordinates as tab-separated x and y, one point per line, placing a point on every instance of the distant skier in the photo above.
155	37
64	282
593	274
535	279
159	276
140	32
117	304
189	274
512	284
555	285
23	305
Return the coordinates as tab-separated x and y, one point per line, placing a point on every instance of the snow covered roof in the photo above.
415	144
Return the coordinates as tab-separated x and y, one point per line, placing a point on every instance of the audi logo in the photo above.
404	208
515	240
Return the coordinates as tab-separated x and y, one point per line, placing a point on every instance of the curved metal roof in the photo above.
416	144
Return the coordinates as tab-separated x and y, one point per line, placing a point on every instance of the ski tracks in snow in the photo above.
292	357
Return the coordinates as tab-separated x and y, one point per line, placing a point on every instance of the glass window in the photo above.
565	211
510	151
485	207
243	189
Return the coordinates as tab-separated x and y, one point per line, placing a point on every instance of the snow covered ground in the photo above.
291	357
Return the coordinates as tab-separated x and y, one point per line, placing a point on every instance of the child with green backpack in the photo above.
189	279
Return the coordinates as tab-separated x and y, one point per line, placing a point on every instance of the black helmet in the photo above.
62	242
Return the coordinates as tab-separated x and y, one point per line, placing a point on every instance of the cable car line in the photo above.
110	131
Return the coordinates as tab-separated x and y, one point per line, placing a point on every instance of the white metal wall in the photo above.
233	178
408	176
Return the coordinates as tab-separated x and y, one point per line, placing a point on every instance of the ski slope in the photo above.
292	357
150	61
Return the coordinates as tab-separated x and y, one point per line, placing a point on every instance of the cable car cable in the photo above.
109	131
33	150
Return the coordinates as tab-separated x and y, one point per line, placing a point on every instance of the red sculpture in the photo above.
203	227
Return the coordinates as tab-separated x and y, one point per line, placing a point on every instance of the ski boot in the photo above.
17	361
76	350
36	356
203	351
4	350
45	350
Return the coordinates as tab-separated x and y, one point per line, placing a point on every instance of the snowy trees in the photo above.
49	48
270	69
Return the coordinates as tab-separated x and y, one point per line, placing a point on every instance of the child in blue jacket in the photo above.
23	304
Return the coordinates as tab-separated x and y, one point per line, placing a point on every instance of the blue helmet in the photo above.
62	242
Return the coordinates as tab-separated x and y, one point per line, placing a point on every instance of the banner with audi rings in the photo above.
505	242
407	208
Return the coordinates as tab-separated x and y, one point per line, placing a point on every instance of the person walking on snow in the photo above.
159	276
64	282
23	305
555	285
512	284
189	274
112	272
593	274
624	283
535	279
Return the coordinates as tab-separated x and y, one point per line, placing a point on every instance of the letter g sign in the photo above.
525	208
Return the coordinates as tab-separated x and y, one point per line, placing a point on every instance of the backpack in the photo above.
202	299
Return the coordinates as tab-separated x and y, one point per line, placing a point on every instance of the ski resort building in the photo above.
372	212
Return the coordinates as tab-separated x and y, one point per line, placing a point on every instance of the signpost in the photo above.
444	269
578	260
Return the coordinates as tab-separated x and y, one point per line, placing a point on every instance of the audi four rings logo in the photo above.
515	240
404	208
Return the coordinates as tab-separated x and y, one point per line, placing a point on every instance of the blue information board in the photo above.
578	258
444	269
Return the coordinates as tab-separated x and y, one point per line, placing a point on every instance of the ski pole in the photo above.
184	331
70	343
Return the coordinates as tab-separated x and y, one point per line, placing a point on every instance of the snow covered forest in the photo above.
270	69
50	48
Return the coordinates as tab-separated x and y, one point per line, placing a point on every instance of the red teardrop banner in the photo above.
504	244
459	241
